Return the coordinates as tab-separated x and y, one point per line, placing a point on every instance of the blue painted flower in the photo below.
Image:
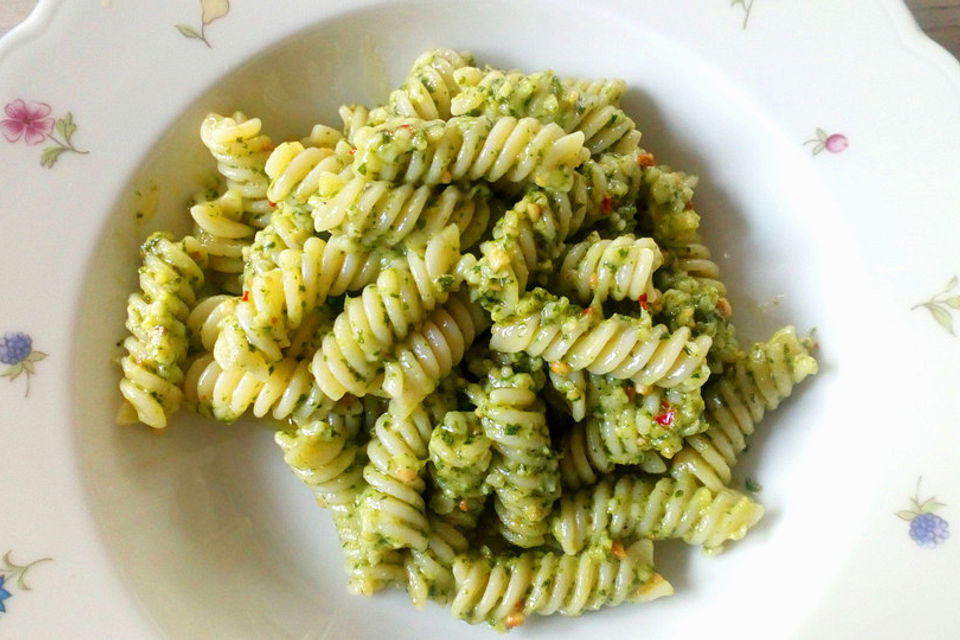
926	528
16	351
4	594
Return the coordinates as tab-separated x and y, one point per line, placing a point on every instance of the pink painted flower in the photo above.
28	122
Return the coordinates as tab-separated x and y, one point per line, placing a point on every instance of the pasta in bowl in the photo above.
486	326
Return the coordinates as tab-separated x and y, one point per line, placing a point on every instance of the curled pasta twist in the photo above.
460	457
275	302
588	106
427	91
381	214
629	507
738	399
505	589
365	575
524	473
464	148
289	228
429	354
241	152
430	571
351	357
393	510
170	275
571	389
584	458
297	172
204	320
287	392
596	270
325	455
624	347
222	231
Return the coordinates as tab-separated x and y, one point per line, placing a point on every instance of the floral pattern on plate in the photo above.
17	352
823	141
210	10
746	6
32	123
941	305
926	528
11	573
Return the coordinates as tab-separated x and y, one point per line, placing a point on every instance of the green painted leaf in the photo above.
36	356
820	146
188	31
28	367
50	155
906	515
821	134
953	282
942	316
14	371
66	127
931	505
953	302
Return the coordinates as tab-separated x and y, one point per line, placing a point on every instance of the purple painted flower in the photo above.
926	528
4	594
15	347
832	142
30	122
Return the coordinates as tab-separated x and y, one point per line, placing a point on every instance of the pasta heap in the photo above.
484	323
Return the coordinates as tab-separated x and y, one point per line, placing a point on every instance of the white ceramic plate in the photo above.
827	138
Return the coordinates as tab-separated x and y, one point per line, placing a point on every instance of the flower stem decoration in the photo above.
926	528
210	10
16	351
832	142
941	304
15	572
32	123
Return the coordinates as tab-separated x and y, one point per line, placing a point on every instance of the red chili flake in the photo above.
408	127
607	204
631	392
666	418
643	301
587	311
272	203
246	296
353	151
616	548
269	147
645	160
689	205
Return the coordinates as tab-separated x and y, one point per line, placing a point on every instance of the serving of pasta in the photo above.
484	325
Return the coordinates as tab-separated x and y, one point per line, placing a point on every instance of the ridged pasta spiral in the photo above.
381	214
430	571
464	148
170	275
364	333
625	347
289	228
392	508
241	152
429	354
222	231
275	302
365	575
226	395
460	456
596	270
571	389
584	458
297	172
523	474
429	87
738	399
590	107
631	507
326	455
505	589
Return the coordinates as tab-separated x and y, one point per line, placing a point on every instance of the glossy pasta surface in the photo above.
487	332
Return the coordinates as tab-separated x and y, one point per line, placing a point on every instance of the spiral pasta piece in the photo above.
738	399
221	230
631	507
596	270
624	347
170	275
588	106
464	148
571	388
241	152
351	357
460	456
505	589
428	89
381	214
392	508
297	172
430	571
429	354
524	474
